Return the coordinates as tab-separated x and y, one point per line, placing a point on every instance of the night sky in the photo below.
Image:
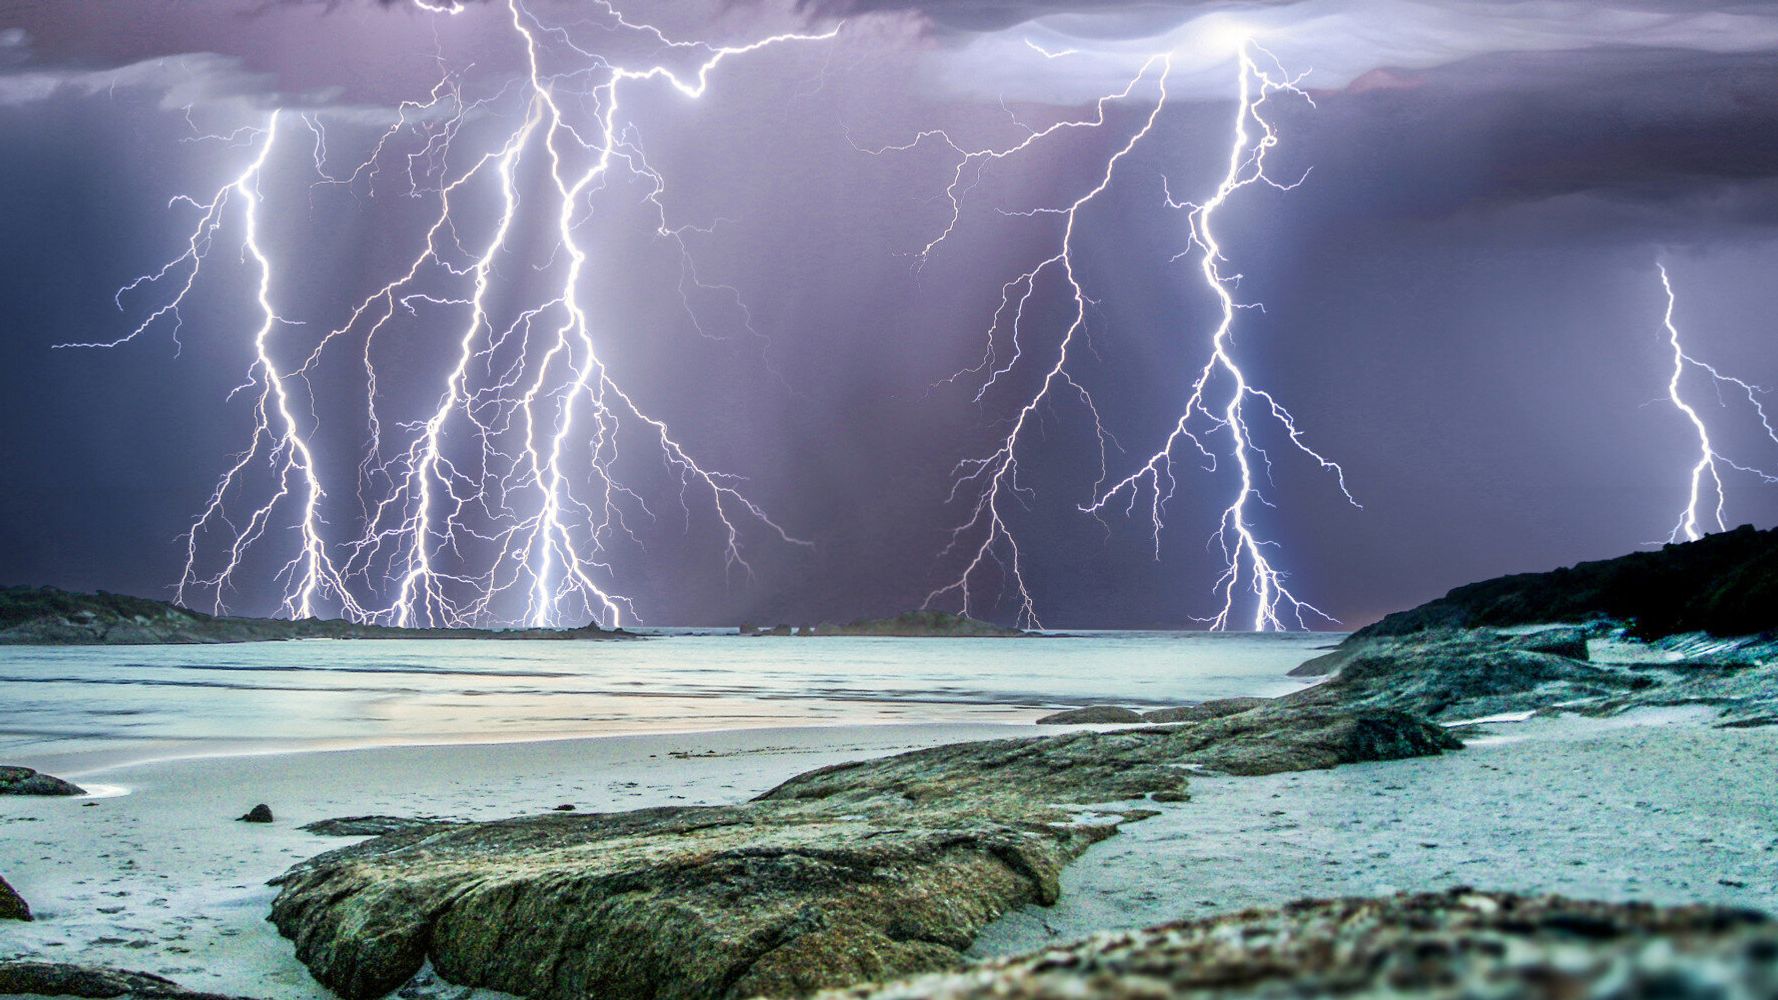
1462	304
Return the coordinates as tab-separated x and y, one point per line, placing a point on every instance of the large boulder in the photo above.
24	781
1459	943
716	902
849	873
261	813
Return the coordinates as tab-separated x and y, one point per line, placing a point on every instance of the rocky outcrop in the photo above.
1459	943
1208	710
729	901
1449	675
859	871
1569	641
24	781
48	616
1453	675
1113	715
12	905
1092	715
1724	584
59	979
367	826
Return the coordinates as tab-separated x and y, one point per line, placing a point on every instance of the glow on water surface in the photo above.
331	693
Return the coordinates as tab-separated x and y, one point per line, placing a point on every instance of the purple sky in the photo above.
1462	304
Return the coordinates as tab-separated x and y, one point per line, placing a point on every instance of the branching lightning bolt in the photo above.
1706	476
445	534
1248	566
1222	403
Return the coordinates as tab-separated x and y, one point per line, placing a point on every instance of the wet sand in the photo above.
1653	806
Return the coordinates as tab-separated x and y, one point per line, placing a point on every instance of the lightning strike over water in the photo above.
1707	497
1249	568
513	482
1222	406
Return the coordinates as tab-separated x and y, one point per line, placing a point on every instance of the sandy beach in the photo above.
1654	806
155	874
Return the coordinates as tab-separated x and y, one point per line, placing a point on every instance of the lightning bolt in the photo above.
510	484
1247	566
277	443
1221	409
1706	476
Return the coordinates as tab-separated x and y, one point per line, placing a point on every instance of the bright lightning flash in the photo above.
488	493
1707	498
1217	422
1248	567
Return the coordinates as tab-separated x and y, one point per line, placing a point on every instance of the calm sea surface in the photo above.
127	702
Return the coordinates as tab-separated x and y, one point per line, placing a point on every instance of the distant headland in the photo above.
53	617
909	625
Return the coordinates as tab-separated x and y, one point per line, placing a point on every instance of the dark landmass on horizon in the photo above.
907	625
1724	584
54	617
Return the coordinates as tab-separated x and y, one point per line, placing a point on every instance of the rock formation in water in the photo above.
1459	943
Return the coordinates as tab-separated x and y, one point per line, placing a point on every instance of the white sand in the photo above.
163	880
1653	806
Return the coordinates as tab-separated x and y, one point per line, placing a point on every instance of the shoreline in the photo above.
75	710
164	880
60	764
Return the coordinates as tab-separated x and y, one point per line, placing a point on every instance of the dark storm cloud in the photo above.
1692	136
1667	106
1115	17
1128	18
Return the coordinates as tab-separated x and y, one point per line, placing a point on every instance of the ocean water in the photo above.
93	704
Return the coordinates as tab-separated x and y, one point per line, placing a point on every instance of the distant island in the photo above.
910	625
1724	584
53	617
